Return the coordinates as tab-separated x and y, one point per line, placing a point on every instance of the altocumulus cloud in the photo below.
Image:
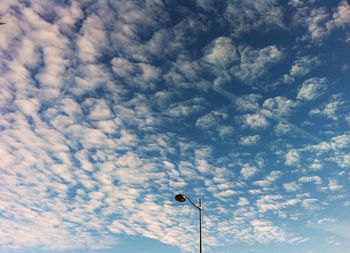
110	108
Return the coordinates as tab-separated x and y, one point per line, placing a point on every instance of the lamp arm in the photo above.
193	204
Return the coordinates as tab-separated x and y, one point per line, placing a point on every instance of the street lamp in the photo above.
182	198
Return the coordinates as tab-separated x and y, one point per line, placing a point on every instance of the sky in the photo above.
111	108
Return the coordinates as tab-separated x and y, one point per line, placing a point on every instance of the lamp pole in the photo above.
182	198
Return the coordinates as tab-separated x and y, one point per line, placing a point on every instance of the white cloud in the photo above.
89	77
316	165
99	109
278	106
343	160
266	232
12	29
69	16
122	67
71	107
42	47
255	121
311	204
248	171
225	131
332	241
316	23
291	187
333	226
336	145
310	179
93	39
203	166
142	75
341	17
312	88
247	16
255	63
249	140
243	201
300	3
330	109
186	108
274	203
303	66
211	120
226	194
320	22
163	98
29	107
248	102
340	141
221	52
149	72
282	128
292	157
333	185
268	180
119	227
29	54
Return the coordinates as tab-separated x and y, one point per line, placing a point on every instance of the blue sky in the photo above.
110	108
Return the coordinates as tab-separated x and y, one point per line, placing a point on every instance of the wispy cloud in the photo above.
312	88
255	63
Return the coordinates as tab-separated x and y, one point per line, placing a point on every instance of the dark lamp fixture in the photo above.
180	198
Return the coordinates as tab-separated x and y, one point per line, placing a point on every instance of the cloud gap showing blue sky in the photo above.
110	108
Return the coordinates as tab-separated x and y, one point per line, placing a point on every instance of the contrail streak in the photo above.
297	129
302	131
225	93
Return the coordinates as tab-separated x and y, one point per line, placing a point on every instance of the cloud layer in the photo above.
110	108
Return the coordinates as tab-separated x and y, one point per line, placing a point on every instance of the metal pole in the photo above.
182	198
200	225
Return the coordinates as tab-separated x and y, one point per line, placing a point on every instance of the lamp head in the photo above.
180	198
